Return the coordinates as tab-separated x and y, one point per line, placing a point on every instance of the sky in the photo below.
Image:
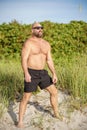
29	11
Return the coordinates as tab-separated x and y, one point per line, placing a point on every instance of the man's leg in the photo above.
54	100
22	108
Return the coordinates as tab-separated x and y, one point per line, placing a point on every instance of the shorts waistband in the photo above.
35	70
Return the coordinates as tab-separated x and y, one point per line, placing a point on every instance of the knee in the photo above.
25	99
55	92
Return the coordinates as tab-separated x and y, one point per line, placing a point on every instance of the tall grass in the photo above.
72	75
11	79
11	82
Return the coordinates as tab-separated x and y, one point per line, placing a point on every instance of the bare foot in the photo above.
20	125
58	116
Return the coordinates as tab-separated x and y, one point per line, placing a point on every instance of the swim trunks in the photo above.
39	78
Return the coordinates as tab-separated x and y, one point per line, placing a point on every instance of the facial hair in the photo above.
38	34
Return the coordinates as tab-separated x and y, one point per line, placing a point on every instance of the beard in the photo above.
38	34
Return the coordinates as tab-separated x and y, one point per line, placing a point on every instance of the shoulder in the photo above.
47	43
27	43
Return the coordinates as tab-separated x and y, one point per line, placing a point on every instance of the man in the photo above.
36	53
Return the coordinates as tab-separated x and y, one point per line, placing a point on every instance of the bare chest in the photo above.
39	48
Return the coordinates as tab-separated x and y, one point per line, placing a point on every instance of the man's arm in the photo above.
24	57
51	65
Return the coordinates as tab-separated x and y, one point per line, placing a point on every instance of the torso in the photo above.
38	53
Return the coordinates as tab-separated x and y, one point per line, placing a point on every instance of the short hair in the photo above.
34	24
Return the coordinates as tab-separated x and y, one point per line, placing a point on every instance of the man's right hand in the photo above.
27	77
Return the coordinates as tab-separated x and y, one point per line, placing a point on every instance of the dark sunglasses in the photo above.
38	27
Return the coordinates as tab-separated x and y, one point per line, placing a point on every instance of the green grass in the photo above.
71	72
72	75
11	79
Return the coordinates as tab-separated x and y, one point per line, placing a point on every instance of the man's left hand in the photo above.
54	79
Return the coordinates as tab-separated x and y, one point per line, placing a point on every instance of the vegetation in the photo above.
65	39
69	51
73	76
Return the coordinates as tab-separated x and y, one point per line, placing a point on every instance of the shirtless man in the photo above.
36	52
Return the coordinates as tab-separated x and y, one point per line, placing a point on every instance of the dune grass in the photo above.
71	72
72	75
11	79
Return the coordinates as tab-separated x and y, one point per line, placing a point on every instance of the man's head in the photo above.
37	29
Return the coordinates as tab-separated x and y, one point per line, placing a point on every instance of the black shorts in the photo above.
38	78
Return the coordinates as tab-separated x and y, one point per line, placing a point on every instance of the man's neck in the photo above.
37	38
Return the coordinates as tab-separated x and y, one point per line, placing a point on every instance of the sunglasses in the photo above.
38	27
